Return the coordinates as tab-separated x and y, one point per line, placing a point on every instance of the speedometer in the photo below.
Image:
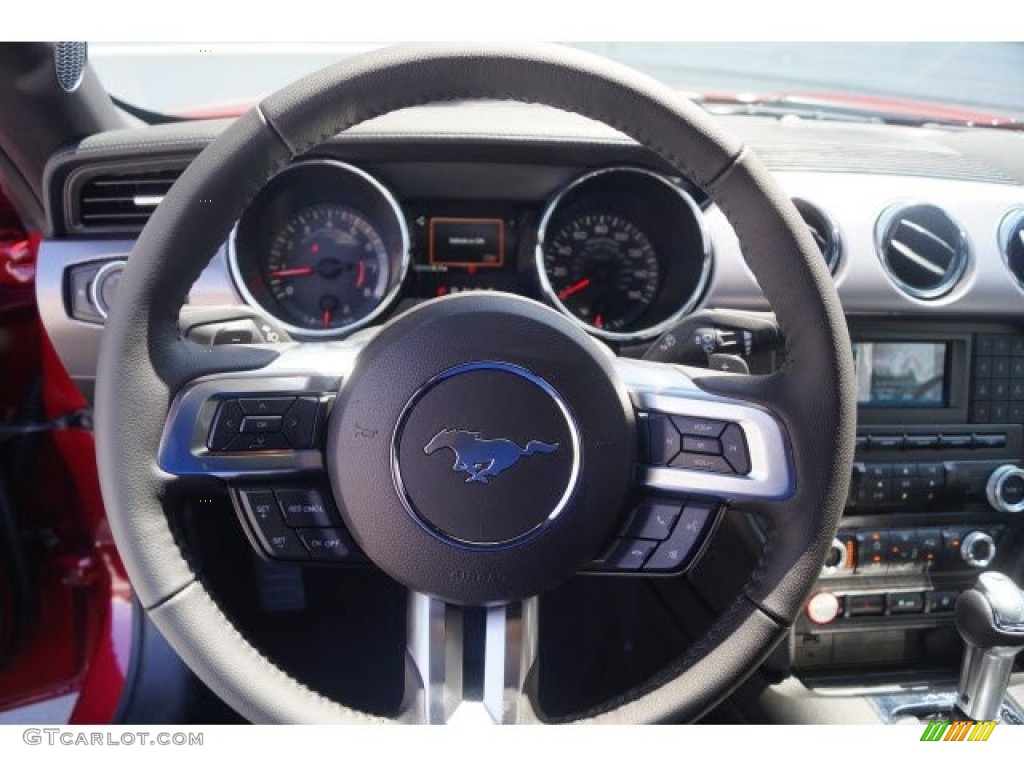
604	270
327	268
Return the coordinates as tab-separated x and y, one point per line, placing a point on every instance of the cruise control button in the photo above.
652	520
306	508
690	425
226	425
329	544
674	553
734	448
277	539
664	439
266	406
701	462
273	441
299	423
258	424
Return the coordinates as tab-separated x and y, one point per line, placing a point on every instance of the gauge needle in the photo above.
598	321
327	318
361	275
565	293
292	272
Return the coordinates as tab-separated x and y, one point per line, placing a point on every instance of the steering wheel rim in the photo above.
144	363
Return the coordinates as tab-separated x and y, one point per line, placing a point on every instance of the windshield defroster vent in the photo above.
823	230
119	201
922	249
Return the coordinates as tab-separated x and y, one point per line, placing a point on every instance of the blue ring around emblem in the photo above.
487	365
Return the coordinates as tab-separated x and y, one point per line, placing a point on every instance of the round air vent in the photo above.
1011	243
823	230
922	248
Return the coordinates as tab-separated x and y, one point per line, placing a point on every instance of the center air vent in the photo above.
119	201
823	230
922	248
1011	243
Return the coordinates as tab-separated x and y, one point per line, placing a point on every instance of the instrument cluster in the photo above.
325	248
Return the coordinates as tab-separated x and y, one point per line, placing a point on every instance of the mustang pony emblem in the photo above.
483	459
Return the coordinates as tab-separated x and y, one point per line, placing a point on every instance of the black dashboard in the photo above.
923	229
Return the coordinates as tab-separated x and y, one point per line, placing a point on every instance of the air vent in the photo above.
1011	243
823	230
922	248
120	201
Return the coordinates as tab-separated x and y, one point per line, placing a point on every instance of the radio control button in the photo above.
664	439
734	448
921	442
954	441
929	542
904	470
978	549
990	441
941	602
885	442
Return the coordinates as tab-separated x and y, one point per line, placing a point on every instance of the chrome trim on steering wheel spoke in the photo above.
435	643
667	389
300	370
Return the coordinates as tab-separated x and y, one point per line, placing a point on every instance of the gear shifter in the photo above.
990	619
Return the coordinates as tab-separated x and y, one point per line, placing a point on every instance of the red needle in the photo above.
565	293
292	272
327	318
361	275
598	321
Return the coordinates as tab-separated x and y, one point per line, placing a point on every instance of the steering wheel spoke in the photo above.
442	688
256	424
694	442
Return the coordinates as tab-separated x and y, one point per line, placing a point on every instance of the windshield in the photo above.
965	81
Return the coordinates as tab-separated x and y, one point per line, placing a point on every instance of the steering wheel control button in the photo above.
663	438
674	553
299	422
266	406
276	538
695	427
261	424
734	448
306	508
329	545
709	445
627	555
514	466
226	425
653	520
701	462
259	441
824	608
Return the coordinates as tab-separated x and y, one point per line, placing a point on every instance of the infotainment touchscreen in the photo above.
901	374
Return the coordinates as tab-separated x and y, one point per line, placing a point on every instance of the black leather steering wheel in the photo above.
156	393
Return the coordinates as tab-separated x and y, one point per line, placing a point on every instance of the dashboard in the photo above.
922	229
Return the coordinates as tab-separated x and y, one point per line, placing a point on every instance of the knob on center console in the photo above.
978	549
1005	489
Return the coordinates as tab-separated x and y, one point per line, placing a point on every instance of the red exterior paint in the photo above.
79	634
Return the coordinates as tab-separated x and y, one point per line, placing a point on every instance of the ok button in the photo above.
261	424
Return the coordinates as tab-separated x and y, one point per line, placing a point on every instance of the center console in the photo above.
936	496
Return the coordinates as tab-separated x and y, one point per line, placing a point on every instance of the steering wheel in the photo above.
558	435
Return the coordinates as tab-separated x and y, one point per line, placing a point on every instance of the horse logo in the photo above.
480	458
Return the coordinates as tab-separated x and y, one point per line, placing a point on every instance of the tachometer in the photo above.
322	249
327	268
603	269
